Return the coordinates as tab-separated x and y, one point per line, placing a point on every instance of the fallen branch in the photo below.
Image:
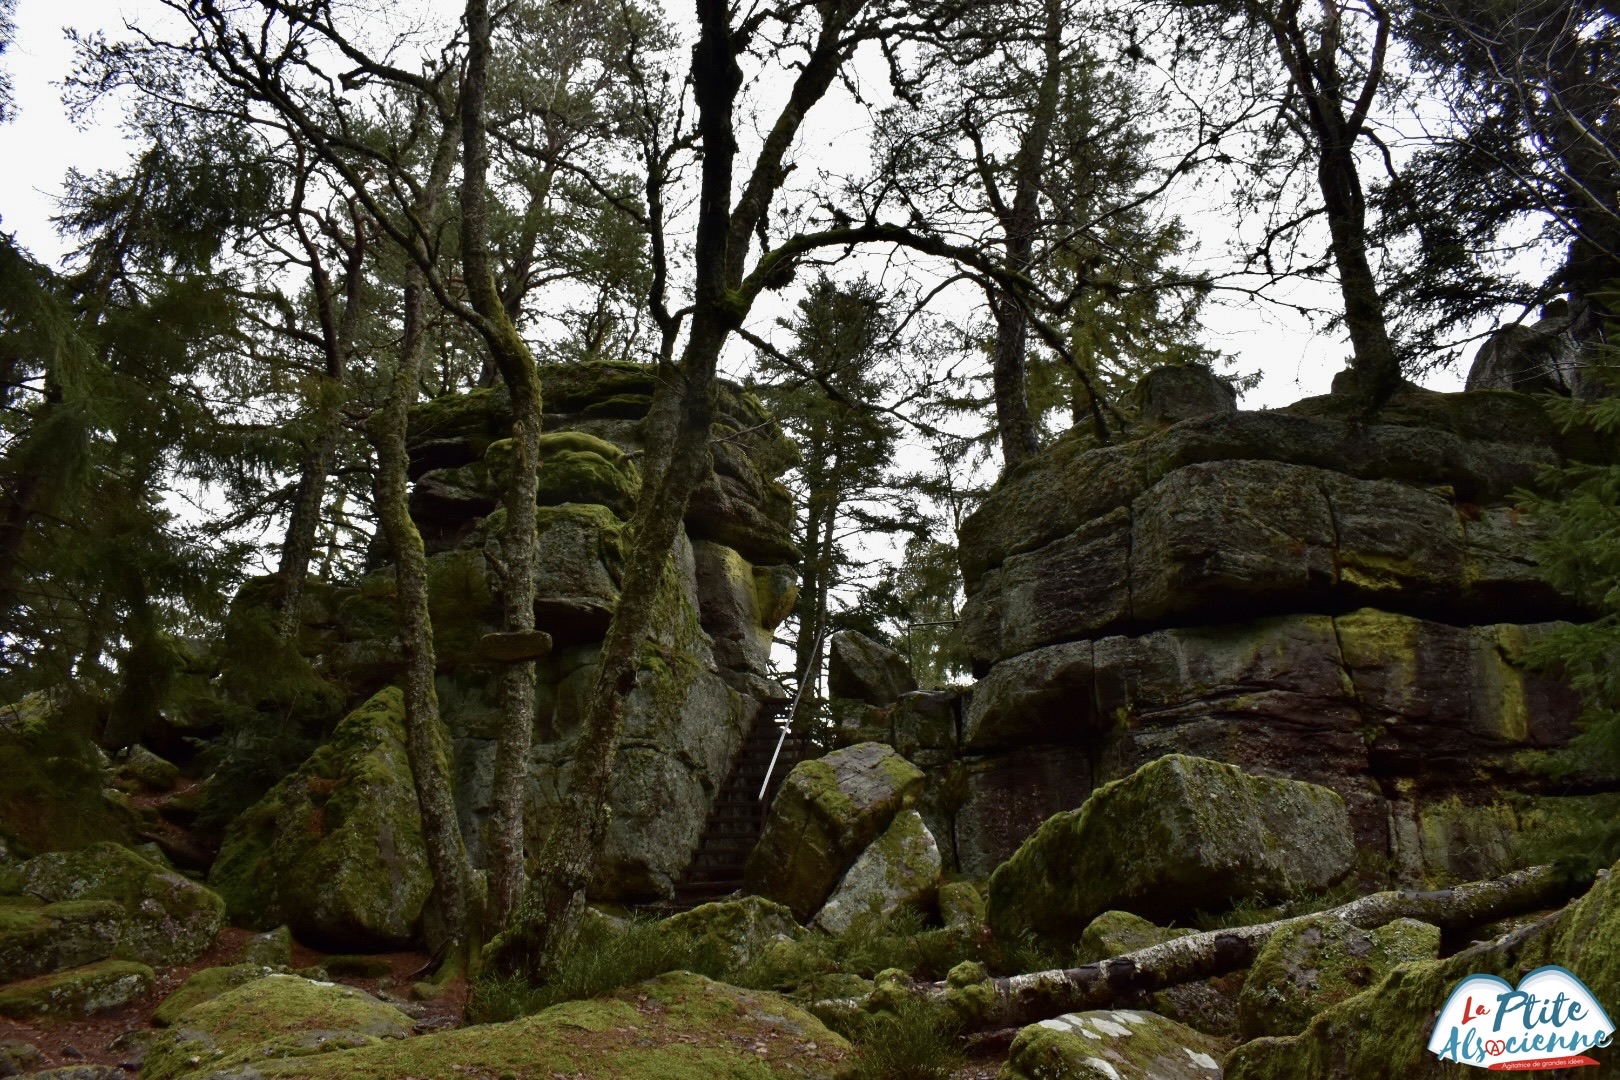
1016	1000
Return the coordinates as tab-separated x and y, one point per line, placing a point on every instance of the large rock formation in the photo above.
1297	594
704	674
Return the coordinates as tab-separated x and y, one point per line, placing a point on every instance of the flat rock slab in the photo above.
898	869
1117	1044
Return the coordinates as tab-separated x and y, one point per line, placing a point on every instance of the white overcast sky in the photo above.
41	144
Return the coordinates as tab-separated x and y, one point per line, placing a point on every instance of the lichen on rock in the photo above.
1119	1044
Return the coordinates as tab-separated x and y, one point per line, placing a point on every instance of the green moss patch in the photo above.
205	985
676	1027
279	1016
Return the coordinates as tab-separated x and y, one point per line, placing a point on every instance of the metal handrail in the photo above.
787	723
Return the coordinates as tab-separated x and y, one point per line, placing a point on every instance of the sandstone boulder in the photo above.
828	811
335	850
899	869
1115	933
166	918
1176	392
1120	1044
279	1016
861	669
741	930
1179	835
80	991
1306	967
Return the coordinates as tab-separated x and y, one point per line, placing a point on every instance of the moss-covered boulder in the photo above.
1179	835
827	812
899	869
335	850
1384	1031
37	938
1115	933
278	1016
78	991
148	771
205	985
676	1027
1307	966
167	918
1112	1045
739	930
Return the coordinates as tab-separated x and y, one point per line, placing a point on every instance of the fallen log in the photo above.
1016	1000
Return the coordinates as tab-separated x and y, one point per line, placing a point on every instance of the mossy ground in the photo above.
680	1026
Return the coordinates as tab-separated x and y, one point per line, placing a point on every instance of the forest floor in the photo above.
118	1037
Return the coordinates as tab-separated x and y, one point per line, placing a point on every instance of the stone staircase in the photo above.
738	815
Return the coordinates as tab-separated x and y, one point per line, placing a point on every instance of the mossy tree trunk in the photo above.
512	358
426	742
1016	1000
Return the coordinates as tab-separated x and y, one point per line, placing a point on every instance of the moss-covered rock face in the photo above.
826	814
1115	933
1179	835
741	930
148	771
1306	967
1384	1031
279	1016
676	1027
1115	1045
273	948
898	869
77	991
166	918
335	850
205	985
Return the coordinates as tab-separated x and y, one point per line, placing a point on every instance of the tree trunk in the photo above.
1020	436
1376	368
426	742
303	522
511	356
1027	999
549	918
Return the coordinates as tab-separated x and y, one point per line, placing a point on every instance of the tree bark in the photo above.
426	742
549	918
511	356
1020	436
1027	999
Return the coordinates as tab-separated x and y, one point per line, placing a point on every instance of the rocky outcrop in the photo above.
1304	597
1178	836
826	814
705	674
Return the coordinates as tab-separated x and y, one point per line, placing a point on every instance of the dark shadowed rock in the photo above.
1173	393
861	669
